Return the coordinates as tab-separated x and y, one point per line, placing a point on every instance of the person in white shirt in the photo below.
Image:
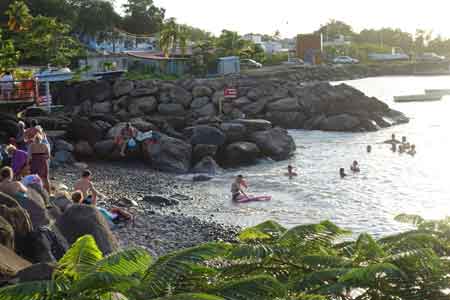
7	85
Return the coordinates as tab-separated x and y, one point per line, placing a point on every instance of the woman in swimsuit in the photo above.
39	160
19	160
236	188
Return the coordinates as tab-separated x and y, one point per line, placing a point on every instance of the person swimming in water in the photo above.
290	173
412	151
393	140
355	167
342	173
394	148
237	187
369	148
401	149
405	143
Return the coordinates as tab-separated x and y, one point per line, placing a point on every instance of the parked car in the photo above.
345	60
430	56
250	63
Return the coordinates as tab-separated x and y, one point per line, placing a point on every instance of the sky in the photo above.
292	17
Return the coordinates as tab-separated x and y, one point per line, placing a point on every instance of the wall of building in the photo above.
310	48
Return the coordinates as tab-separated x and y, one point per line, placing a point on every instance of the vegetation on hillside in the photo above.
307	262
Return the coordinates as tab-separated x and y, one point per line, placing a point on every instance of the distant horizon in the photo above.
291	19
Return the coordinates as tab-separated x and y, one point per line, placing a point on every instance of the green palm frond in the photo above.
325	262
79	260
38	290
367	249
410	219
99	283
168	269
319	279
367	276
271	228
252	234
190	296
258	287
125	263
252	251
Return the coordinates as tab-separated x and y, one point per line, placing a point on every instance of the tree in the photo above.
19	18
9	56
142	17
95	17
334	29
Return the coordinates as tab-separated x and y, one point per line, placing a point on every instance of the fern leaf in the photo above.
103	282
251	234
319	278
258	287
325	262
125	263
366	276
251	251
38	290
367	249
79	260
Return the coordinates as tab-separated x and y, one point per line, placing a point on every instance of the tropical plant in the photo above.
19	17
9	56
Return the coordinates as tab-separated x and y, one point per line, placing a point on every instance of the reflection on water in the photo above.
388	184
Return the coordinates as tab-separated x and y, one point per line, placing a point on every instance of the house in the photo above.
157	62
255	38
310	48
272	47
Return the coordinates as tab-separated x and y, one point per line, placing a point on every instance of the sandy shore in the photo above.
159	229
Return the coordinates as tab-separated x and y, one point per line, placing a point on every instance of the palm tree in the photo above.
168	36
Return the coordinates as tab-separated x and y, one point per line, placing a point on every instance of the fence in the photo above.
18	91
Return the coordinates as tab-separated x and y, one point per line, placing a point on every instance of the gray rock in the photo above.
314	122
202	91
64	157
286	105
234	132
242	153
253	125
142	106
208	135
275	143
241	102
160	200
170	155
122	87
200	151
199	102
144	91
142	125
255	108
104	149
62	145
171	109
343	122
83	149
102	107
149	84
36	272
180	96
209	110
288	120
218	97
207	166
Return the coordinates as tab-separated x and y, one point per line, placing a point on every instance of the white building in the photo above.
255	38
272	47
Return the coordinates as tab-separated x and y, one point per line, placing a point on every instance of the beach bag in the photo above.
132	144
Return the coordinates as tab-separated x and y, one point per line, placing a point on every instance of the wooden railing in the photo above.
18	91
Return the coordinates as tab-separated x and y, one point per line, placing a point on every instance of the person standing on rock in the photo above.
127	134
39	157
86	187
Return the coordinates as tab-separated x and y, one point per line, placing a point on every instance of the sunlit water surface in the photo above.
388	184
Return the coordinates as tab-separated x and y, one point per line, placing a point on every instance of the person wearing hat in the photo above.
237	192
290	173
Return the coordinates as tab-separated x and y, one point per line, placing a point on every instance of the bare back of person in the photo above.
84	186
12	188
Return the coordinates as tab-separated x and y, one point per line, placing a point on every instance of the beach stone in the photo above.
142	125
20	221
234	132
144	91
207	135
202	150
180	96
289	120
285	105
147	83
171	109
36	272
275	143
202	91
169	154
83	149
219	97
199	102
35	206
80	220
62	145
201	178
209	110
102	107
207	166
46	245
342	122
122	88
253	125
159	200
255	108
64	157
242	153
6	234
11	263
142	105
241	102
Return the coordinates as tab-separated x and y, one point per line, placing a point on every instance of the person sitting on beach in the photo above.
412	151
342	173
237	187
7	85
355	167
290	173
11	187
369	149
393	140
19	161
127	134
114	216
85	185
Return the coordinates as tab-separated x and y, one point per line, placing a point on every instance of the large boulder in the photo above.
180	96
20	221
240	153
97	91
208	110
159	200
63	157
288	120
10	263
47	244
202	91
80	220
253	125
208	135
343	122
6	234
83	149
105	148
234	132
83	129
199	102
35	206
241	102
171	109
255	108
122	88
8	201
62	145
275	143
102	107
202	150
169	154
142	106
142	125
207	166
36	272
286	105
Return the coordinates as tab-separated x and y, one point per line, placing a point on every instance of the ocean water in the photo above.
389	183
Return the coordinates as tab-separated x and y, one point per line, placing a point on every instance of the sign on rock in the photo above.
230	93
